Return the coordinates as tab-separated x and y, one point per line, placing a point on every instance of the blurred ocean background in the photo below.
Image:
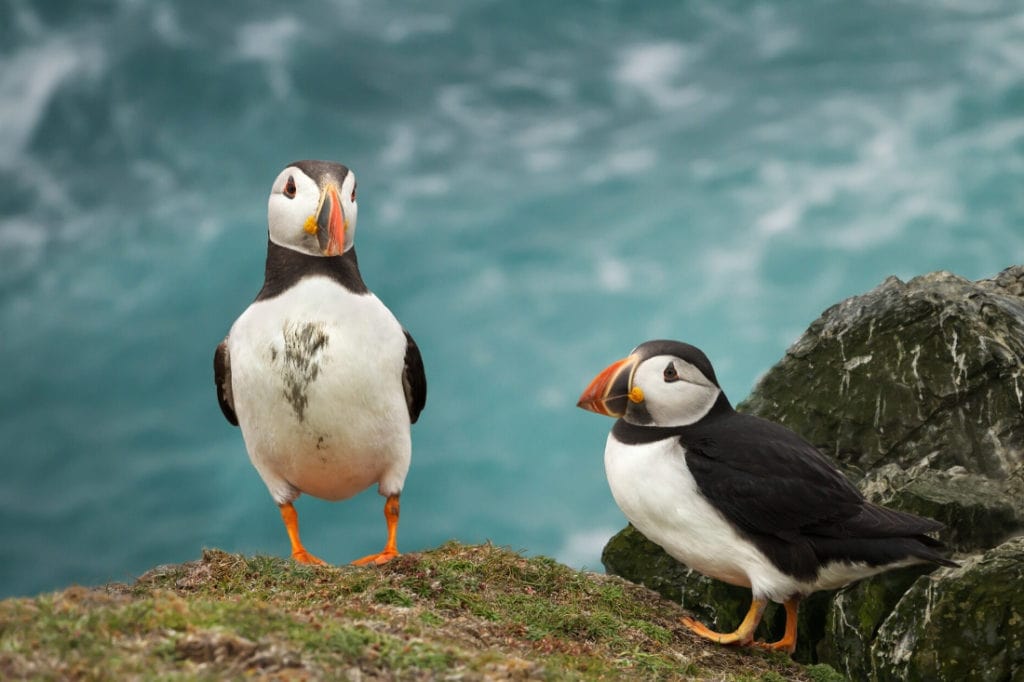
542	187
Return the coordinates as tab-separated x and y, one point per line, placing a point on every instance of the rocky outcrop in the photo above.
959	624
929	368
916	390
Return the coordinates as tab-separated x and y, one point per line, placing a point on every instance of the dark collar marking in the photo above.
285	268
634	434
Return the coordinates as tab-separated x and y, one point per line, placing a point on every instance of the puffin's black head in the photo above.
312	208
661	383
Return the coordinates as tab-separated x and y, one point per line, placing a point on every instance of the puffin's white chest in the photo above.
317	381
652	485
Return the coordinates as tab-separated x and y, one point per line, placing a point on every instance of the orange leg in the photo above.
788	641
390	550
743	635
291	524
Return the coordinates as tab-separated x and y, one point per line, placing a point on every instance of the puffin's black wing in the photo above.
414	379
795	506
768	480
222	378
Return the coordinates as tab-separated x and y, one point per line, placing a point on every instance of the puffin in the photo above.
738	498
319	375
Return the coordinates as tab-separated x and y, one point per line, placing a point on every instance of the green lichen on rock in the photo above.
933	366
854	616
978	512
958	624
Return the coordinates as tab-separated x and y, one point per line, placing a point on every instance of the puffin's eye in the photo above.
289	188
671	374
353	193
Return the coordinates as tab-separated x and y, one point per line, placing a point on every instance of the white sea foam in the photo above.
995	51
624	162
29	78
613	274
400	148
267	40
403	26
548	132
167	26
544	160
582	549
655	71
773	35
427	185
22	245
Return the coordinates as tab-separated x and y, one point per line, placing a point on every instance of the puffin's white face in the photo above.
660	383
672	391
316	217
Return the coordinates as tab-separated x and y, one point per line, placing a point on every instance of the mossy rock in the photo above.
930	366
855	614
958	624
978	512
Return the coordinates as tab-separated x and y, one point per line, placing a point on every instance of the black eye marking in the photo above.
670	373
289	188
353	192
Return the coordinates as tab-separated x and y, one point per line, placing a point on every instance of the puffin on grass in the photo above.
738	498
320	376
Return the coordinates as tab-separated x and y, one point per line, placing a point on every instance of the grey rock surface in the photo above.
958	624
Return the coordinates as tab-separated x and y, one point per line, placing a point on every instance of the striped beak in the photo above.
609	392
331	226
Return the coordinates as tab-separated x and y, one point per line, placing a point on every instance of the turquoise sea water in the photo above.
542	186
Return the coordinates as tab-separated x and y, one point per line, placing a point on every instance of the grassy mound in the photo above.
456	612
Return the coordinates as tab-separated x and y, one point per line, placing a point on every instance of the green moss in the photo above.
823	672
772	676
463	611
389	595
430	618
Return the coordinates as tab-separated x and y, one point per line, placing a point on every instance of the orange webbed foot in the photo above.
302	556
742	636
788	646
291	524
390	551
378	559
739	637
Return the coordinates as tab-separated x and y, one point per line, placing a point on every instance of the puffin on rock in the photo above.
320	376
738	498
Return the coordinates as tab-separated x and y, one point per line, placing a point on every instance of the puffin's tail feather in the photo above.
880	551
879	535
873	521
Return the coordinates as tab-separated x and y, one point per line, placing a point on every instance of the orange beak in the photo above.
331	224
608	393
